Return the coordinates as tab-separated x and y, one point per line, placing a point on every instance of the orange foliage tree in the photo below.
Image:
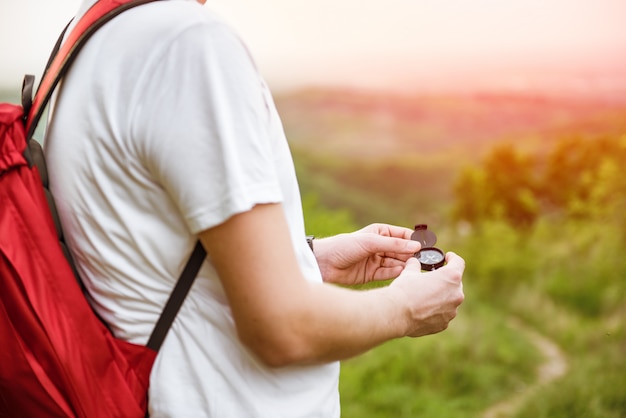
581	178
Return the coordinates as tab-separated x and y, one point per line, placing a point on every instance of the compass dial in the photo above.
431	258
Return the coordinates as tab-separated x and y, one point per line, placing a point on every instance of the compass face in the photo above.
431	258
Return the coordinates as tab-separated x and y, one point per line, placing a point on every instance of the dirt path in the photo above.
554	366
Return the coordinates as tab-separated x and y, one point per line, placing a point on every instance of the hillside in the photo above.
345	141
371	126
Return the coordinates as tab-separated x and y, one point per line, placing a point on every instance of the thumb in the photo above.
455	262
413	263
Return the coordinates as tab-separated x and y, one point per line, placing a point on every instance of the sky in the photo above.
406	45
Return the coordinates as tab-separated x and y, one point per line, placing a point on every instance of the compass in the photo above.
431	258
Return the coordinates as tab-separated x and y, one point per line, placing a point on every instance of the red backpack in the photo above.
57	359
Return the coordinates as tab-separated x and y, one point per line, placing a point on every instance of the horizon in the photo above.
566	47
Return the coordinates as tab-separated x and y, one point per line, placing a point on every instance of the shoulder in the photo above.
170	18
163	40
178	30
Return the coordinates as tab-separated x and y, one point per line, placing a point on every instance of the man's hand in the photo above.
432	299
376	252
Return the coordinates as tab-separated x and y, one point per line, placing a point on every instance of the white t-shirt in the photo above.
164	128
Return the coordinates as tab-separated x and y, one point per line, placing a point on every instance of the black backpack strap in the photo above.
27	101
28	86
55	50
177	297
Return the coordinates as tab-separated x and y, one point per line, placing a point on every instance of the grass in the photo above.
458	373
563	279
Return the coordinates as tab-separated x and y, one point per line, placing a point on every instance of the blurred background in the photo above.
502	125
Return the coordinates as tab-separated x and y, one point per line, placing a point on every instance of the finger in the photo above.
413	263
388	230
400	257
454	258
389	245
386	273
391	268
392	262
399	231
453	261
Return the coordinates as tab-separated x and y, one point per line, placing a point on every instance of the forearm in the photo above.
326	323
322	322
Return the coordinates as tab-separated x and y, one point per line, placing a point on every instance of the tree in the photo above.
584	177
504	188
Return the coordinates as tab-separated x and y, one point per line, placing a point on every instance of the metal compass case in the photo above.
430	257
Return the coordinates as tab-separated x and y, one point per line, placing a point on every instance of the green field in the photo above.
531	193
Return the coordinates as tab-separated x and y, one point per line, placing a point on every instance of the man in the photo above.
163	133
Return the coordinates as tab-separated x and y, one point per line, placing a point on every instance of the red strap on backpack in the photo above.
96	16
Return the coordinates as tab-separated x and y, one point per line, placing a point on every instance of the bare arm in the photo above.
284	319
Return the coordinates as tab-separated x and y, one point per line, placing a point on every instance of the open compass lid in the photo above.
424	236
